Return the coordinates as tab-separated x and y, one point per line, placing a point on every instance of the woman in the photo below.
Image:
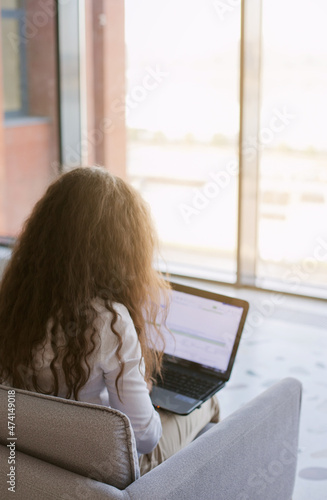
76	302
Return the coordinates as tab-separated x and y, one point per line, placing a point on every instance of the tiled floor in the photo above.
281	341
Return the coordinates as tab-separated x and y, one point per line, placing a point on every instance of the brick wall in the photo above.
30	151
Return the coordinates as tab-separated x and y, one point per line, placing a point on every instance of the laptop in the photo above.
202	335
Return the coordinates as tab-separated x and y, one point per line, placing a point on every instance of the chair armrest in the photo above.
250	454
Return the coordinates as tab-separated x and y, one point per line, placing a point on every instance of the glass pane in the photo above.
182	115
293	185
11	65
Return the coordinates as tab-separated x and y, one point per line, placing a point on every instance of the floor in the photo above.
286	336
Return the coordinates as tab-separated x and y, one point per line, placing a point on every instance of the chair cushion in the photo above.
91	440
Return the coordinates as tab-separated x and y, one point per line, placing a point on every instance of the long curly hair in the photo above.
89	237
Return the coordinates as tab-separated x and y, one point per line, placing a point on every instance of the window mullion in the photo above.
70	91
250	56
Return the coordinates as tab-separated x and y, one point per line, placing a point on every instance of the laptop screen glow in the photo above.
204	330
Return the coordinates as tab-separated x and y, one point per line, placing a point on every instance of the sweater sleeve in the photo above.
134	398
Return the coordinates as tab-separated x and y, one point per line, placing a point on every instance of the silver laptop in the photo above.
201	344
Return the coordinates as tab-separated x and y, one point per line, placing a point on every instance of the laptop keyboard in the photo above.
193	387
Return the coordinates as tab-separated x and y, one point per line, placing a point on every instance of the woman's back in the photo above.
75	301
76	295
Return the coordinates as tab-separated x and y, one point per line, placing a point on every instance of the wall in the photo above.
27	170
29	145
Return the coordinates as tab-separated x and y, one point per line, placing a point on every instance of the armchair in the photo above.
72	450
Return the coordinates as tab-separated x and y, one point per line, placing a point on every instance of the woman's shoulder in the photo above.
123	325
103	310
105	316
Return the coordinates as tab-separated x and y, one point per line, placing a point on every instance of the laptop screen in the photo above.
204	330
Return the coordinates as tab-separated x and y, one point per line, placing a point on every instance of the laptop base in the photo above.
173	402
177	403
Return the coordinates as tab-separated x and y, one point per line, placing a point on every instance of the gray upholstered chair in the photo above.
72	450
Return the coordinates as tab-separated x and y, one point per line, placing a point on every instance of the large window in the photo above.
292	210
182	115
214	110
188	136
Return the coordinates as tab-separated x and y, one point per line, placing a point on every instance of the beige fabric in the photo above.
178	431
91	440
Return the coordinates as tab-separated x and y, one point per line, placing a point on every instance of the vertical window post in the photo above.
70	86
249	140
